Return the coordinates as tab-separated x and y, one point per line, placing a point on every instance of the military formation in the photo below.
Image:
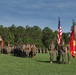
30	50
25	50
60	51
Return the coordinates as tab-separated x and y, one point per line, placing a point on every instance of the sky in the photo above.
43	13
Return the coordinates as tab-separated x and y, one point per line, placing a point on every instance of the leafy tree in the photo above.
66	37
47	36
33	35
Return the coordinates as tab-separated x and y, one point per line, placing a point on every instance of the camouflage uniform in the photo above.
57	49
57	53
51	52
62	52
68	52
28	49
33	50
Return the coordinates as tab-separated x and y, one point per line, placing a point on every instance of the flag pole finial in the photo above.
74	23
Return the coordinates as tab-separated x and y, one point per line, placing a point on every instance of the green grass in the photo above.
39	65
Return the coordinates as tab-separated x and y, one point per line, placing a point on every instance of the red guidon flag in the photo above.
73	42
59	36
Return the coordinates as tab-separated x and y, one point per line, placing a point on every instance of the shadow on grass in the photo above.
46	61
49	62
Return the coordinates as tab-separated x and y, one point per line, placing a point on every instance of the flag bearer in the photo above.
63	52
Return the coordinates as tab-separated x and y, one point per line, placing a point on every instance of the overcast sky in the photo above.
38	12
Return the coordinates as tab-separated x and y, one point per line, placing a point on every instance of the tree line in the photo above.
17	35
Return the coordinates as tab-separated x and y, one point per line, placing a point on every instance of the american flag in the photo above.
59	36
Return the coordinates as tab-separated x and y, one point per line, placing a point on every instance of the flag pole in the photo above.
59	36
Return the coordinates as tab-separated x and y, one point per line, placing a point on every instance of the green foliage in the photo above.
66	37
33	35
39	65
47	36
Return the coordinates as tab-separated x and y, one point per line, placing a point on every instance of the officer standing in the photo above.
63	52
51	52
57	49
68	52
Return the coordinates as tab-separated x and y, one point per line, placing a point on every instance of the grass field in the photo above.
39	65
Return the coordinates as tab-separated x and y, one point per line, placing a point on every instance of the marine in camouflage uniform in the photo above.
63	52
57	50
68	52
33	50
51	52
57	53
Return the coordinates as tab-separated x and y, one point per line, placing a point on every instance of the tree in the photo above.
65	37
20	34
33	35
47	36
